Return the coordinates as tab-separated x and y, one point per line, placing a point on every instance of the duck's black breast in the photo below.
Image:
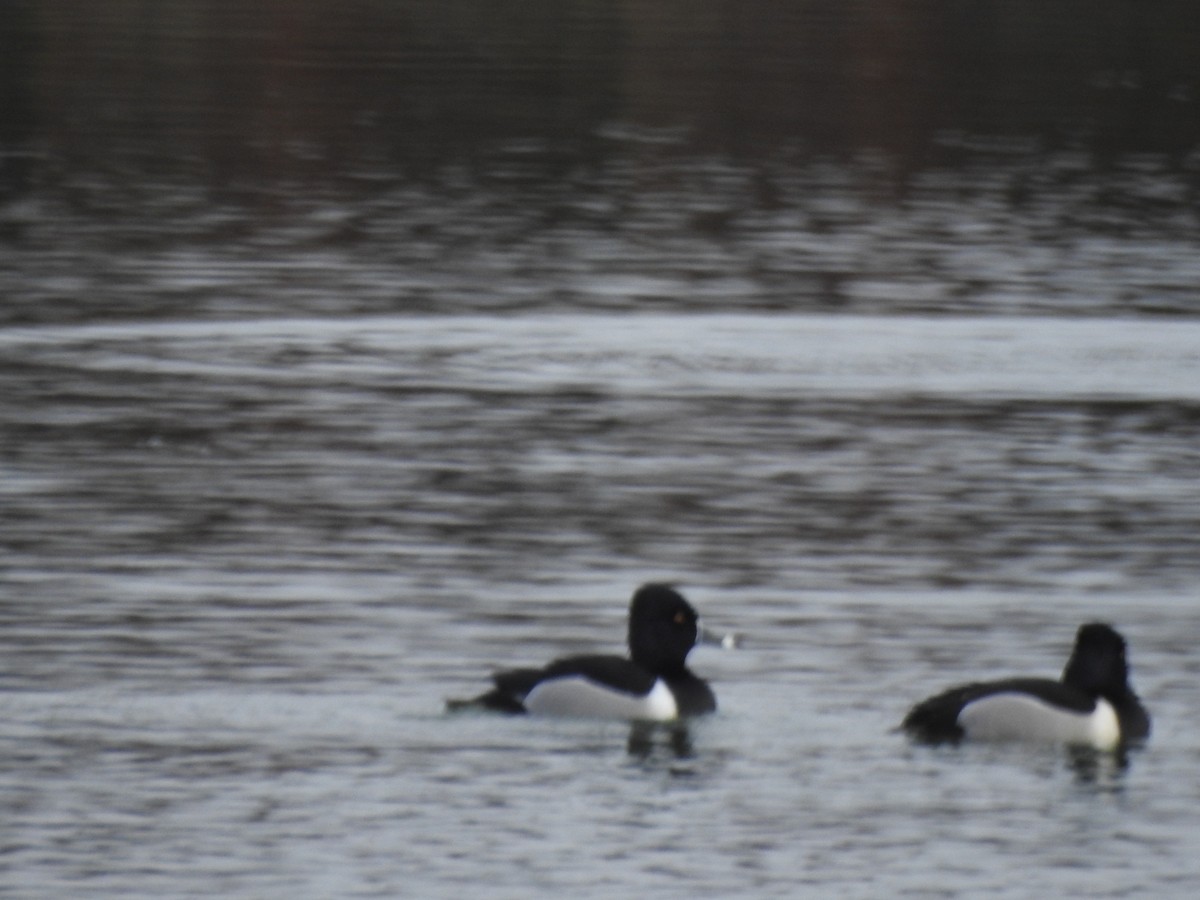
693	696
1135	721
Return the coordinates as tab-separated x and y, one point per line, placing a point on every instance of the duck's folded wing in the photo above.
937	719
615	672
516	683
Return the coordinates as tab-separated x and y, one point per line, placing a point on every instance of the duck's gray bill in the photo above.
716	639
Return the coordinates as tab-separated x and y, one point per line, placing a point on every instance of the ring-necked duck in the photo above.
654	683
1093	705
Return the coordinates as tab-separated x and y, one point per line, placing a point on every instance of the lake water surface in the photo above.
350	351
248	561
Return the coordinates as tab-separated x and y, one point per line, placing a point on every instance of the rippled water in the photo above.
247	561
349	351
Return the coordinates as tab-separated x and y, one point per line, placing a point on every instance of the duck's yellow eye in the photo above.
680	618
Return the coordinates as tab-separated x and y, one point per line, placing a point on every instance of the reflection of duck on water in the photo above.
676	740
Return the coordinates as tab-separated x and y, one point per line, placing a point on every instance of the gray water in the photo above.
351	351
248	561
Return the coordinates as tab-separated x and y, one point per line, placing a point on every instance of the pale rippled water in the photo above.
247	561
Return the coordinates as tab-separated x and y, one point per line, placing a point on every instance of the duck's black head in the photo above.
663	628
1097	664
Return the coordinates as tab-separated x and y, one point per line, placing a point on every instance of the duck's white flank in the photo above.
577	696
1015	716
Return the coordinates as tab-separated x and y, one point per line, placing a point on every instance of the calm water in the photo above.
350	351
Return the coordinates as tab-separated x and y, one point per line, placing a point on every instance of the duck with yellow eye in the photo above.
652	684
